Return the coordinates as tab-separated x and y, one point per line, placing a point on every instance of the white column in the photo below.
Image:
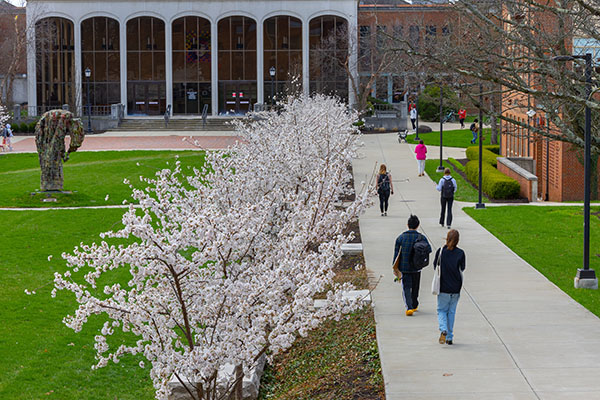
123	62
305	58
78	83
260	54
352	48
214	65
31	67
169	64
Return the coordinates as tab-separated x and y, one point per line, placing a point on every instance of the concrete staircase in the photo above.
175	124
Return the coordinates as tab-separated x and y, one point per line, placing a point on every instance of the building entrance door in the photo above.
236	97
146	98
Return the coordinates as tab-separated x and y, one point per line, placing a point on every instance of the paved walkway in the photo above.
142	140
517	336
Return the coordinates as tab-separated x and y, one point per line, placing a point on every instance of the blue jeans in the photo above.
474	133
446	310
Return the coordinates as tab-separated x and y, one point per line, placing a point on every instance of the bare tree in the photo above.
368	53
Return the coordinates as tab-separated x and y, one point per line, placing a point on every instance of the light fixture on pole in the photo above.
88	74
272	73
586	277
480	204
440	167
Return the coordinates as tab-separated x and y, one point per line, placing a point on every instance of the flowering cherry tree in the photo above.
4	116
225	263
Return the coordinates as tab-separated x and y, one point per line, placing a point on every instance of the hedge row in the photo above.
494	183
23	127
494	148
488	156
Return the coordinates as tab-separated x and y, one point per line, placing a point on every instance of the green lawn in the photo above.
454	138
464	192
42	358
550	239
89	175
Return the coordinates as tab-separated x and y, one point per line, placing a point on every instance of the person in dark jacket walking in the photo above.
411	276
447	187
452	262
385	187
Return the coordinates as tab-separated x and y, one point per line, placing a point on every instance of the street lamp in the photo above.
272	73
88	73
480	204
440	168
586	277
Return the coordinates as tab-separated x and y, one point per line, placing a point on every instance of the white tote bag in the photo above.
437	276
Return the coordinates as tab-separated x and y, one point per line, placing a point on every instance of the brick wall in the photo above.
526	185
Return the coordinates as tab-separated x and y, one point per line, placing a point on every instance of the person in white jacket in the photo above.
447	187
413	117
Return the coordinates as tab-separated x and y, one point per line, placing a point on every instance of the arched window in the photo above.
146	66
283	53
100	53
55	64
328	40
191	65
237	65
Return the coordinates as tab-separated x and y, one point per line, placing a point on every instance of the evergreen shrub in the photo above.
494	183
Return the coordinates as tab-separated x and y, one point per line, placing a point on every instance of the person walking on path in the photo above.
413	117
421	151
385	187
462	115
410	274
6	136
474	130
452	262
447	187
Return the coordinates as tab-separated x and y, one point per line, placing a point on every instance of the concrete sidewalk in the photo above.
517	336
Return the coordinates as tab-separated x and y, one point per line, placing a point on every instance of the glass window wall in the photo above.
100	53
191	65
55	64
237	65
146	66
328	40
283	52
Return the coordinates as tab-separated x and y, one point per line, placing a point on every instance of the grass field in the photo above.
41	357
550	239
89	175
455	138
464	192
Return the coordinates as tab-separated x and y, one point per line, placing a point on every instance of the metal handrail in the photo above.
204	115
167	115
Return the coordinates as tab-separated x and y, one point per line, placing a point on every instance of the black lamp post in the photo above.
440	167
585	274
88	74
480	204
417	138
272	73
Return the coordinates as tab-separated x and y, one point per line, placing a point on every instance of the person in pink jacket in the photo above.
421	151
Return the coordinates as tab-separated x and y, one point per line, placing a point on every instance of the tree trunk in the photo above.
238	387
493	121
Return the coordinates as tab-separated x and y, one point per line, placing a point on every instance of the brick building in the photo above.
16	68
557	166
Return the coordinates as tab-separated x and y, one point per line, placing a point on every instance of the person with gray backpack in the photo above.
447	187
6	136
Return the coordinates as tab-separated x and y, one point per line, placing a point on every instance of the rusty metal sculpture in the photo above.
50	133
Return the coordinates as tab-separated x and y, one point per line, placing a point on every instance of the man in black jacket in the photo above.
411	276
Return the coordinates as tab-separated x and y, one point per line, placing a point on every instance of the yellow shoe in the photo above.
409	313
416	309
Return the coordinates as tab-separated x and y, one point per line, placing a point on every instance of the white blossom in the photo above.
225	264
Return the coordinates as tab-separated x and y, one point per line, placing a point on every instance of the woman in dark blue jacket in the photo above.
452	262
